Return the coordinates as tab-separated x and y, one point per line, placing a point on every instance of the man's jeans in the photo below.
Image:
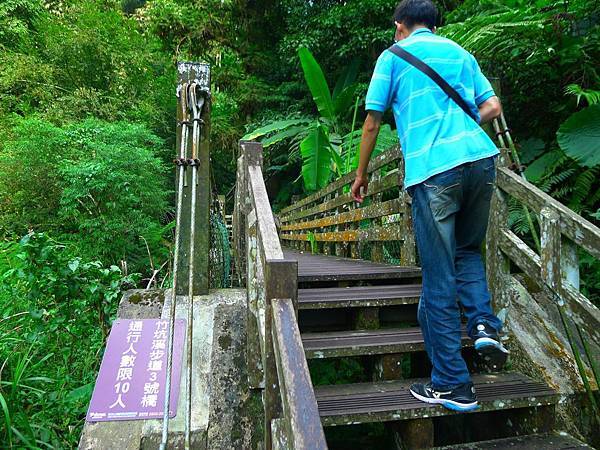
450	215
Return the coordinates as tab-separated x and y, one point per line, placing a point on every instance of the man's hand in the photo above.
360	182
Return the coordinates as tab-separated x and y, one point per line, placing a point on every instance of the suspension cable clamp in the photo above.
193	162
183	122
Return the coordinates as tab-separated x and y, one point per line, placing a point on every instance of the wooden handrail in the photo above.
394	154
270	245
331	222
579	230
297	394
276	358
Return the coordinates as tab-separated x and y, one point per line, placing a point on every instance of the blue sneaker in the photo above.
461	398
488	346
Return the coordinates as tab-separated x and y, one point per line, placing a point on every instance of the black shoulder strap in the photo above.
436	77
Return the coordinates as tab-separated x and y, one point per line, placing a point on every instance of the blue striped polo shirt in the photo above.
435	133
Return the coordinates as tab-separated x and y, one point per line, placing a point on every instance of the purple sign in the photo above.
131	382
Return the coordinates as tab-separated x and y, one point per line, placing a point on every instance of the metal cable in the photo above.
196	107
182	148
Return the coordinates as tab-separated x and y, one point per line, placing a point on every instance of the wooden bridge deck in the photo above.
332	268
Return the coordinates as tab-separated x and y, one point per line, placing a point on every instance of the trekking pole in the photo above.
181	164
195	103
503	132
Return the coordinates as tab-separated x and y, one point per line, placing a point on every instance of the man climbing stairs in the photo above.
337	294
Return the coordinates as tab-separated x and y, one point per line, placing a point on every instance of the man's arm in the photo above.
490	109
370	131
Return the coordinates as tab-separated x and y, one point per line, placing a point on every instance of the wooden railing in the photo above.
515	270
336	224
275	354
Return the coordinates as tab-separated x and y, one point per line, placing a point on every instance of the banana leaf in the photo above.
316	159
316	83
282	135
278	125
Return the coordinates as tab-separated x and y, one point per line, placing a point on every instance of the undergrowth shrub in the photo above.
55	312
101	186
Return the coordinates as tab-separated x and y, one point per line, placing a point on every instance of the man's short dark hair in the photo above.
413	12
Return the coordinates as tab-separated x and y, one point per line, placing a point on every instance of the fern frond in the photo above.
591	96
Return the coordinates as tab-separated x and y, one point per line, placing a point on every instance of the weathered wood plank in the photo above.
267	232
587	315
335	344
281	281
298	397
520	253
581	231
376	234
359	296
550	441
550	269
393	206
391	180
377	162
391	400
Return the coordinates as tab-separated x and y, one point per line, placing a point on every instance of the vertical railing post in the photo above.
195	73
550	245
251	155
497	263
408	251
569	261
281	281
238	223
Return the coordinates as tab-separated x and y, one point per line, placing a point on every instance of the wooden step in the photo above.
359	296
391	400
336	344
312	268
547	441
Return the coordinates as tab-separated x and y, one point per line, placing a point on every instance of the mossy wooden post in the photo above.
281	281
377	246
239	222
190	72
408	250
251	155
497	263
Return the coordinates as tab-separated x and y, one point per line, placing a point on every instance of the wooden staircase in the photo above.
357	311
346	288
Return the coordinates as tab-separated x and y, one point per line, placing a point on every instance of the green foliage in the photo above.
101	186
537	49
117	196
579	136
316	154
591	96
278	127
337	371
55	312
320	144
86	60
17	21
317	84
